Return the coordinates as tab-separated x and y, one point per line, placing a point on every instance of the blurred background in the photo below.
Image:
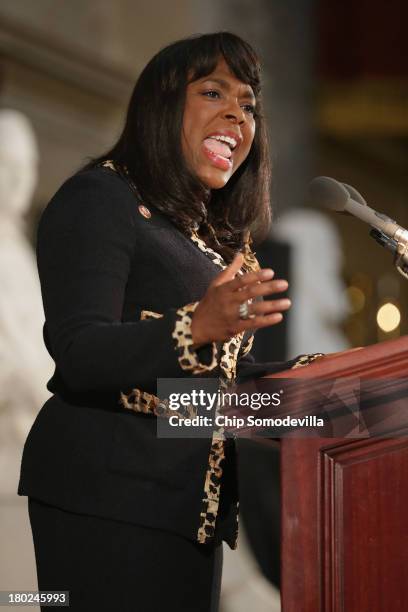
336	93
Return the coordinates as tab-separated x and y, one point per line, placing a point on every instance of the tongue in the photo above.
218	147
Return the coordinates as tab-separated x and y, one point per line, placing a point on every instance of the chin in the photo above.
215	180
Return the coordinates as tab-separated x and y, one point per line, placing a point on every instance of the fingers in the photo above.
249	285
254	284
229	273
250	278
261	321
263	314
229	289
269	306
260	290
267	312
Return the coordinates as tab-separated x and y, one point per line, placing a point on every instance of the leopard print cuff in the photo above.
305	360
188	357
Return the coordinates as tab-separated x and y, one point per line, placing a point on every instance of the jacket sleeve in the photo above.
85	245
247	367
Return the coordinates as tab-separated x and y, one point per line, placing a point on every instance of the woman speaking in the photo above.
147	272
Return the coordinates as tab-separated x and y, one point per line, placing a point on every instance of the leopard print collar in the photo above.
250	261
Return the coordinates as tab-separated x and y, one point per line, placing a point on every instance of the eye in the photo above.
249	108
211	93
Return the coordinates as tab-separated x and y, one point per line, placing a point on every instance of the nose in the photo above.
234	113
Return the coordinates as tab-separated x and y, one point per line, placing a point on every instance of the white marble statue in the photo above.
317	291
25	365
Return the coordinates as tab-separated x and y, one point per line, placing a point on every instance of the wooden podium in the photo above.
345	500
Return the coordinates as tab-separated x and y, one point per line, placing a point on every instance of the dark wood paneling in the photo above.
344	527
364	532
362	38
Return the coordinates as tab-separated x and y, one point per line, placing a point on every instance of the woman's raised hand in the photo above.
217	316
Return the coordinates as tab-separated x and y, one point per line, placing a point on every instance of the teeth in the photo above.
230	141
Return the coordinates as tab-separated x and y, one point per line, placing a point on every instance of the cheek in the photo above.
251	135
186	135
190	142
246	146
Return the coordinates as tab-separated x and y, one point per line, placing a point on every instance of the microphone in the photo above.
355	195
380	237
343	198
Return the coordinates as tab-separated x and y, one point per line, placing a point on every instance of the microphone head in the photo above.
329	193
355	195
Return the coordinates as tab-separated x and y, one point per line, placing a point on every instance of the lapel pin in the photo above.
144	211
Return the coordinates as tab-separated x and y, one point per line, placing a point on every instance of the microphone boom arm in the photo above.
343	198
397	245
401	255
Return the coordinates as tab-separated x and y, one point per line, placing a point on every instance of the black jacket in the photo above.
104	265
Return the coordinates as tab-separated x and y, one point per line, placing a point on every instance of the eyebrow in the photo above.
248	93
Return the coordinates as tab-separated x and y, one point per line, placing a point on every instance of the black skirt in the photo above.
111	565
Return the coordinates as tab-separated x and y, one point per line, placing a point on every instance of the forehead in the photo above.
224	75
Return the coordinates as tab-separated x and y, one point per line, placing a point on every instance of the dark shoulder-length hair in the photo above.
151	150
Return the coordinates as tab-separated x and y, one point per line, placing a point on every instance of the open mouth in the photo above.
219	149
